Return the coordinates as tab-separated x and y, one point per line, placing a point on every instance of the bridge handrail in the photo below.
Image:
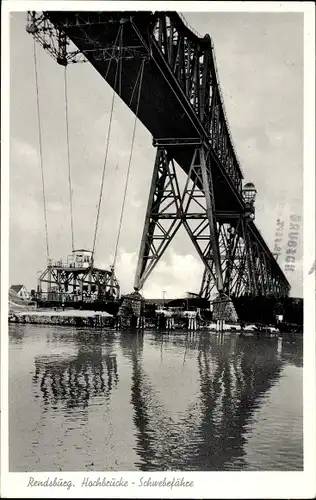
223	106
185	22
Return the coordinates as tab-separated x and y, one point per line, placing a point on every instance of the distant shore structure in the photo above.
19	291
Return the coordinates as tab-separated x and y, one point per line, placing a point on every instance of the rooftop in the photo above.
16	288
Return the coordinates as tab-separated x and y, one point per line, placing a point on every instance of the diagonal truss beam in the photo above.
246	267
163	216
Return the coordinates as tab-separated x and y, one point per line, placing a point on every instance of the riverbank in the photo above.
102	319
73	317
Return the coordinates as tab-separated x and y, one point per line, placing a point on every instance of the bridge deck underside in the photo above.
163	109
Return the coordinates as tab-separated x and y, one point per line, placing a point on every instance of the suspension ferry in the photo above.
77	283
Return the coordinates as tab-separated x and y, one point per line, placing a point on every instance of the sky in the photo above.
260	62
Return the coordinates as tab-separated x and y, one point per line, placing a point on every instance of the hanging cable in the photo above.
40	148
141	72
107	146
69	166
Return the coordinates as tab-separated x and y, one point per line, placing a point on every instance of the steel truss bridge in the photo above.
182	106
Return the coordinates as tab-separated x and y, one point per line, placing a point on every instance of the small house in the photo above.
20	291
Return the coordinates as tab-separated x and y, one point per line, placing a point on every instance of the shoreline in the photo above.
102	319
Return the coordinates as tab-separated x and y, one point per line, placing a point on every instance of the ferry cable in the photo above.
40	147
140	78
69	165
107	142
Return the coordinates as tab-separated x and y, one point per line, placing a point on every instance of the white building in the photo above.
20	291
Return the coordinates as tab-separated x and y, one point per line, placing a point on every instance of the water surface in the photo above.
87	400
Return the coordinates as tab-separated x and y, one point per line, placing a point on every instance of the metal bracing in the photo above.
246	267
248	271
198	201
163	205
53	39
230	248
243	267
260	270
250	259
265	273
227	247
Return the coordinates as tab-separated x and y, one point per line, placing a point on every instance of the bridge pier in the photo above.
223	311
131	312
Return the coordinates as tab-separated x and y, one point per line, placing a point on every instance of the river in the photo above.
83	400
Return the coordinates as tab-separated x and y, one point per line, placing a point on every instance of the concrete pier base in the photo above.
224	309
130	313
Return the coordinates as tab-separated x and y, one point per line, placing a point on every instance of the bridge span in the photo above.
167	75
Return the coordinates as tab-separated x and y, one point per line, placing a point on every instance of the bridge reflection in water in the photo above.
233	377
211	433
76	380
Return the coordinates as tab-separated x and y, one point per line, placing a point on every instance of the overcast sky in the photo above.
260	62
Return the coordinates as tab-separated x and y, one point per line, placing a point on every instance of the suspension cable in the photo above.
40	148
107	144
140	76
69	165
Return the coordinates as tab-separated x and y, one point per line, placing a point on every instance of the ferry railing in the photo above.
64	265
